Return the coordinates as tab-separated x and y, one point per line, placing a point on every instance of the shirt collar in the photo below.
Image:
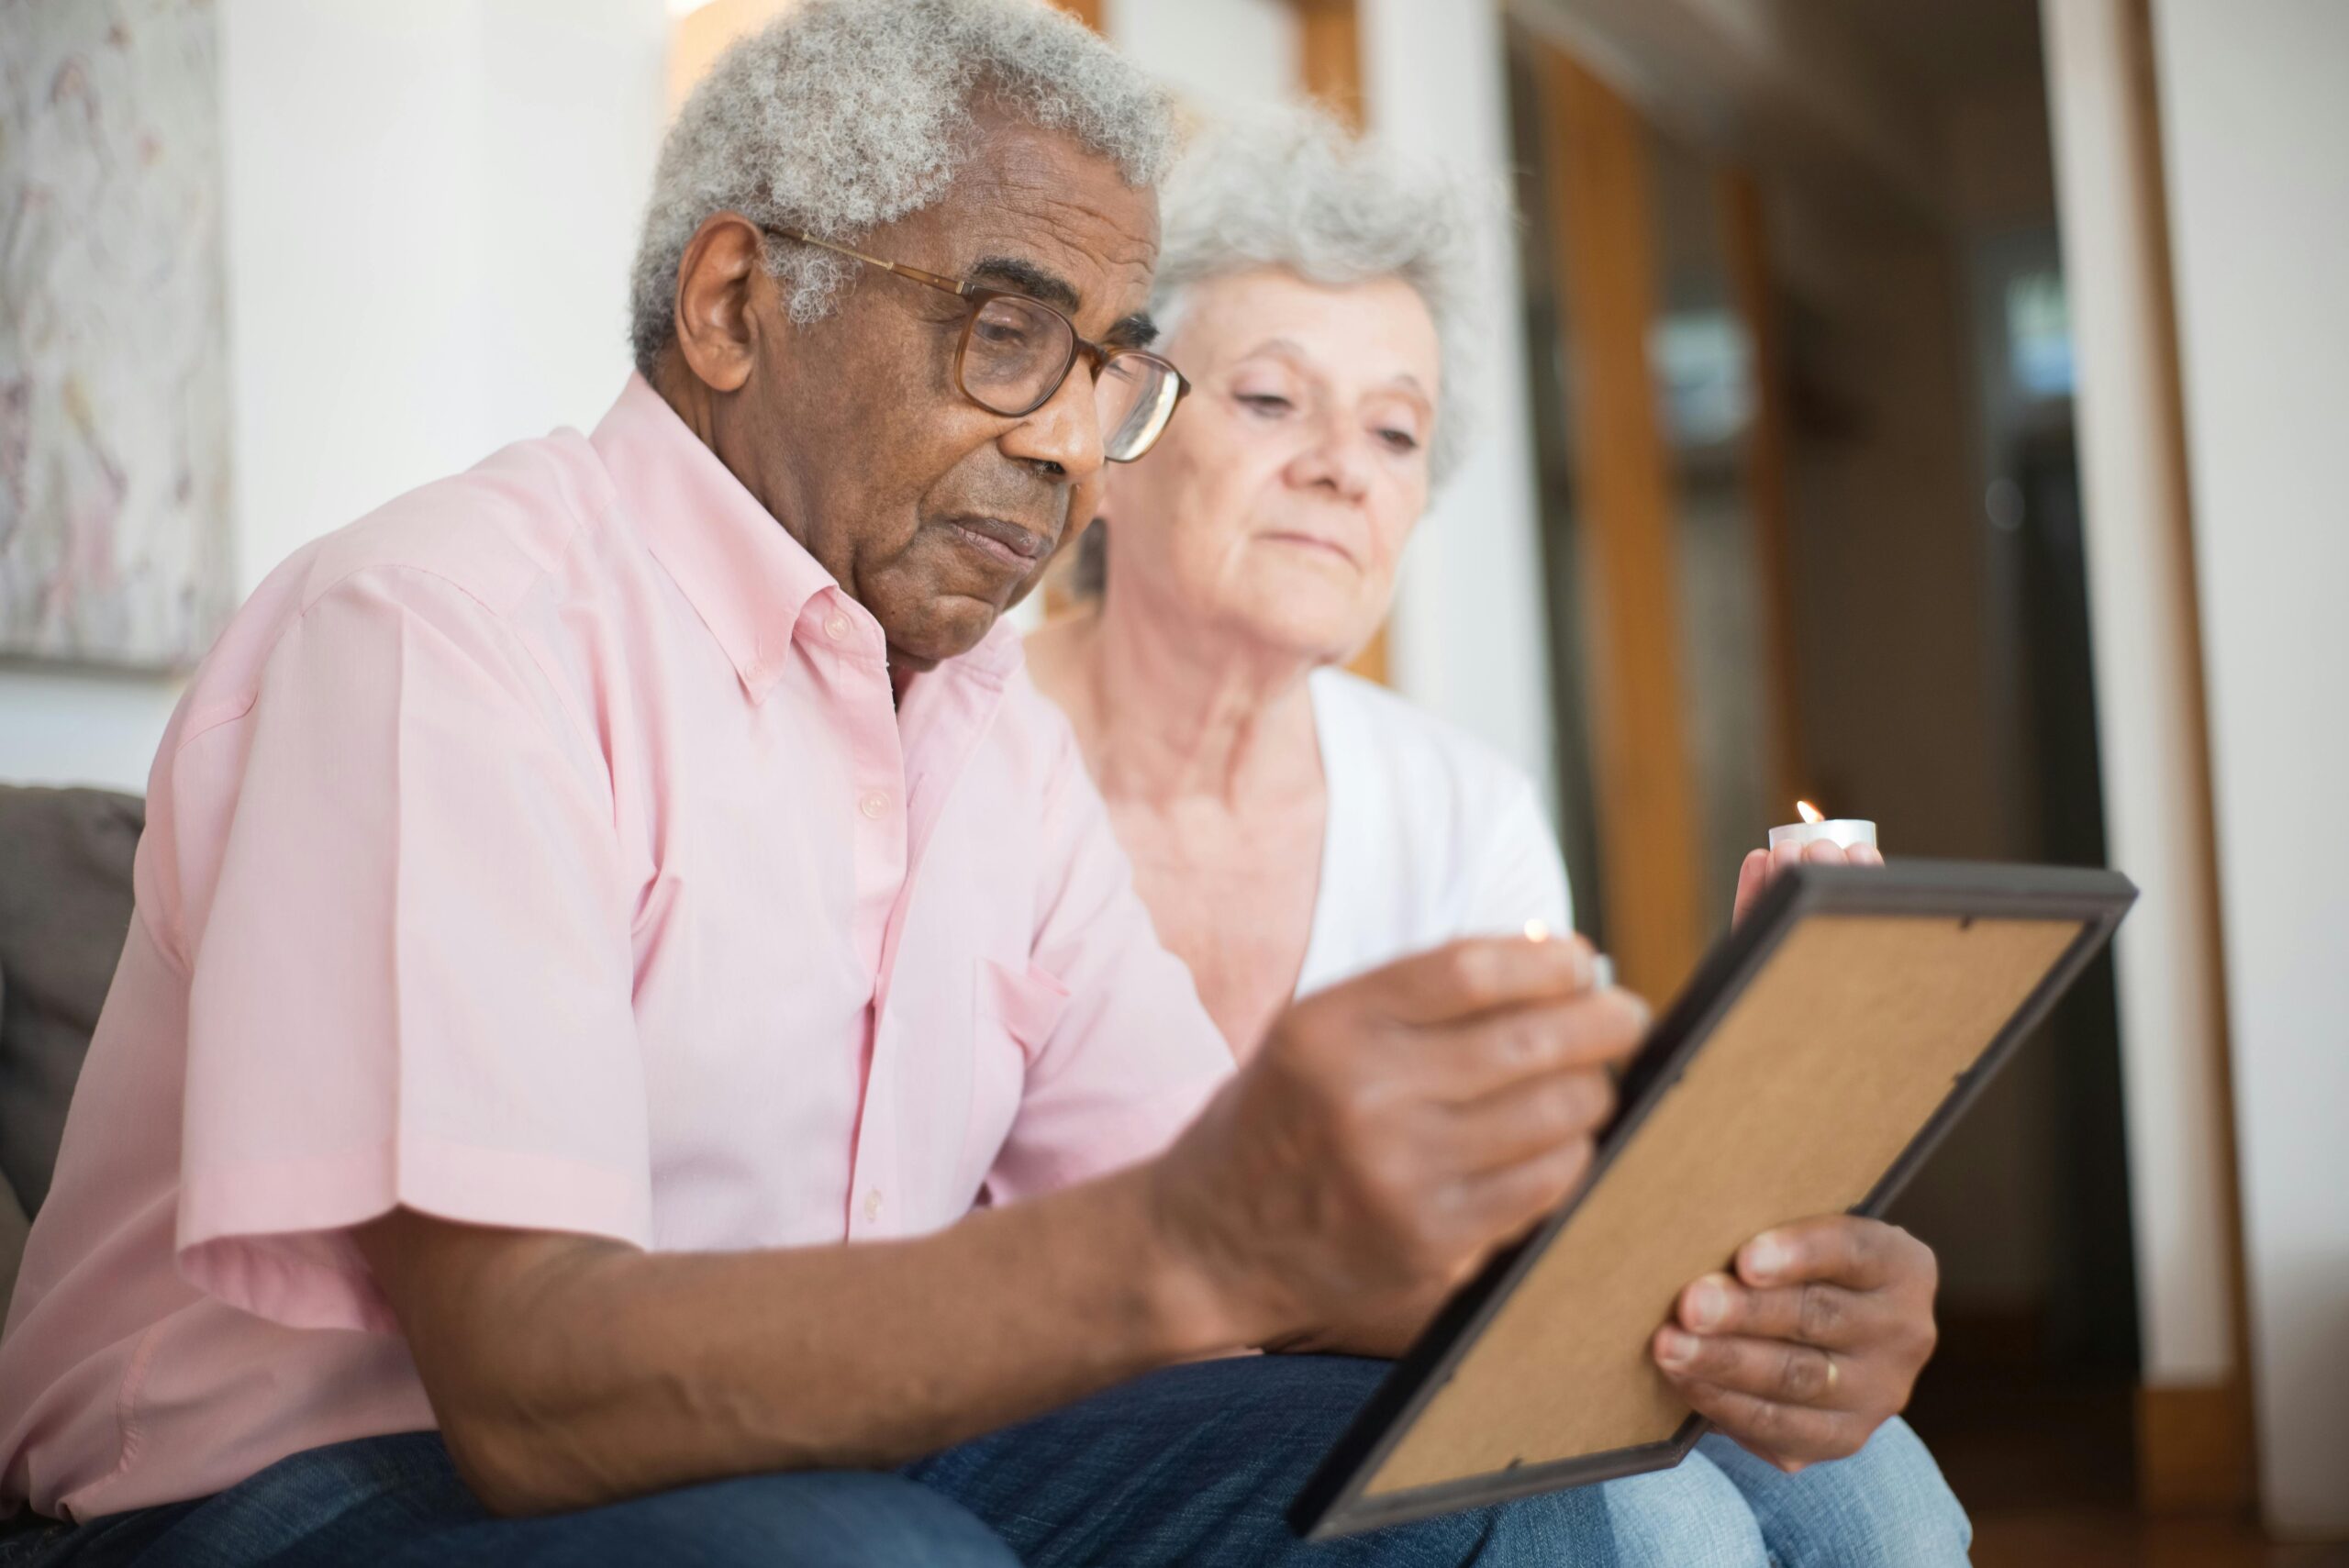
745	575
747	578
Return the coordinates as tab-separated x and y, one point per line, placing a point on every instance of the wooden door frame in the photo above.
1594	169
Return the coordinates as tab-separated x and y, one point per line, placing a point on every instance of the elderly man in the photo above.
637	1044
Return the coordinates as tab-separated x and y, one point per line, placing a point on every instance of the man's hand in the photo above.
1762	866
1815	1343
1393	1132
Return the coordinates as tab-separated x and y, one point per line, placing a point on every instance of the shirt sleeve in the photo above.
1521	874
1133	1055
410	971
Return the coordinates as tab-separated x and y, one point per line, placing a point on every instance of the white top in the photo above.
1431	835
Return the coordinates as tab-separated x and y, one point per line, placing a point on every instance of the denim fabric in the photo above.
1688	1517
396	1502
1198	1464
1721	1508
1194	1465
1886	1503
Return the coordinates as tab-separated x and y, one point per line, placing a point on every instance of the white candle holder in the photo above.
1847	831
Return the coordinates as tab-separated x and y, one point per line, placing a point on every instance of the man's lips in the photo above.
1007	542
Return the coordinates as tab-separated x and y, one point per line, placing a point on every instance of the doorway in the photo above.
1811	526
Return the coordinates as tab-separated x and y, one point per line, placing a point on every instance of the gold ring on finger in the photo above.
1834	1371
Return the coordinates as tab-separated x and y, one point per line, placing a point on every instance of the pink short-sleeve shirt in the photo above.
546	849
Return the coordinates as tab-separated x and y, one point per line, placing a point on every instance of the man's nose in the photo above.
1064	437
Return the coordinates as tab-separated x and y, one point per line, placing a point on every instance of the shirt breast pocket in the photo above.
1013	1013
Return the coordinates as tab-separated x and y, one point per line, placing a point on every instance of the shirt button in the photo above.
836	627
873	1205
875	806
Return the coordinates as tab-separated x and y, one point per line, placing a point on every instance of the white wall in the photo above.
2255	131
2148	676
1215	54
431	208
73	727
1470	630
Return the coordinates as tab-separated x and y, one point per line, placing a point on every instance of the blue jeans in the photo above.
1721	1508
1194	1465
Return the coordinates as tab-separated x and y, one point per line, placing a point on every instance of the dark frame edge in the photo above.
1333	1493
1333	1503
1481	1492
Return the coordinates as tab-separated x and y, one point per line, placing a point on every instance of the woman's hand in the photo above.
1818	1339
1762	866
1815	1343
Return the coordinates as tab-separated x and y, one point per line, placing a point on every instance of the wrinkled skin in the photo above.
1272	515
905	526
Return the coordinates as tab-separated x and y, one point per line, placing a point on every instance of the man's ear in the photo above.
720	277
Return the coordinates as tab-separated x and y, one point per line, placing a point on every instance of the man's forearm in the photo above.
568	1371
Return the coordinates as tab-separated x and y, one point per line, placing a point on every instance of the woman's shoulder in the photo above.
1434	834
1410	789
1370	727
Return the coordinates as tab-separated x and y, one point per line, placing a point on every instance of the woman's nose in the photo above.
1337	460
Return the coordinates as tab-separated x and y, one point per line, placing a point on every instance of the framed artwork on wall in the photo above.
115	463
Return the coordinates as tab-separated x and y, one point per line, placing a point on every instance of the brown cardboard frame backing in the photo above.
1767	1094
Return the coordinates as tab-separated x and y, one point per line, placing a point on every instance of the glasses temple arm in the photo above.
916	273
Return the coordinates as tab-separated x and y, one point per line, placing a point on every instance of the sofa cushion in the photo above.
14	1230
64	909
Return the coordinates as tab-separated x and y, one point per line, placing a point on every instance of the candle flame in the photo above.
1810	813
1536	931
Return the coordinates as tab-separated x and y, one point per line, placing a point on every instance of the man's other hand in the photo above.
1394	1131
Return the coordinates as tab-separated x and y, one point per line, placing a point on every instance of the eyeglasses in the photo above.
1016	351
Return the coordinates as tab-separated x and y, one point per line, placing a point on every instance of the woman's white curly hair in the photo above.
1290	188
845	114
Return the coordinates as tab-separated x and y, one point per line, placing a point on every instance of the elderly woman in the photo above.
1291	825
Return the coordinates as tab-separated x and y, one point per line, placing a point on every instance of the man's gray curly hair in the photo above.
846	114
1290	188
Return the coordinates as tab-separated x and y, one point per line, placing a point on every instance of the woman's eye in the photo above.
1264	402
1399	440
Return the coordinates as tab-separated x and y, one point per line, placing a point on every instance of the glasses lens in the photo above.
1015	353
1135	396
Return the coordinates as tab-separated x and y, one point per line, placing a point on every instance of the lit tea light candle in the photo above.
1816	827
